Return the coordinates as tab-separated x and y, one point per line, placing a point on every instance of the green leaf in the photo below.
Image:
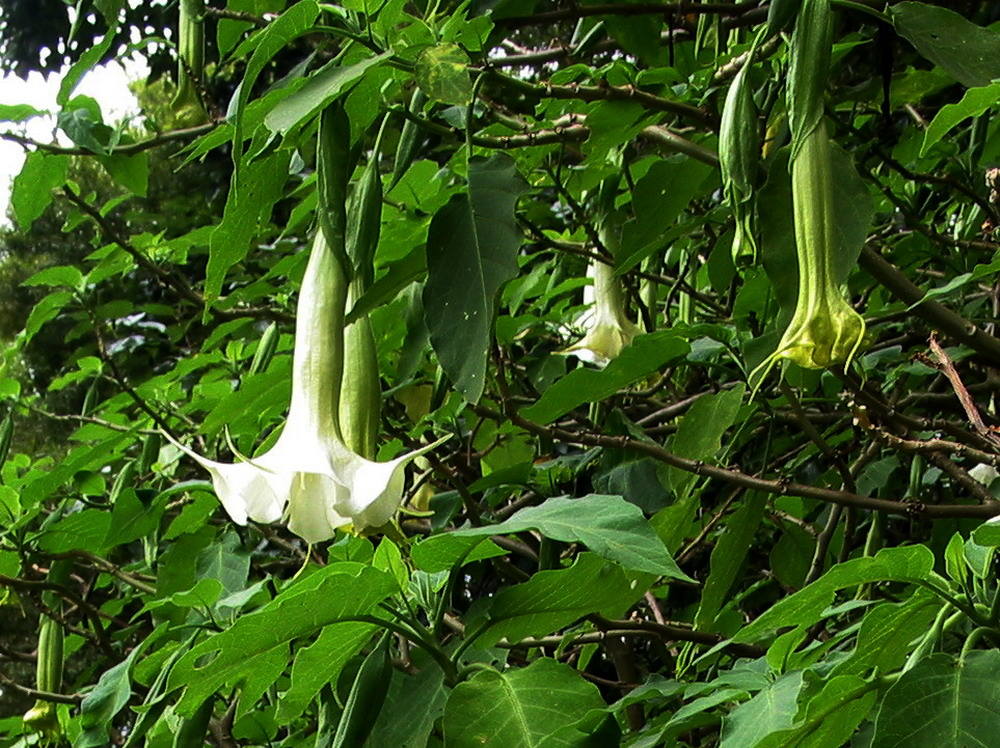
968	53
31	192
973	103
99	708
130	519
226	561
83	531
265	44
887	633
18	112
400	274
699	434
82	66
415	703
913	563
659	197
441	552
471	252
727	559
988	534
553	599
254	190
320	663
442	72
943	701
366	698
646	354
521	708
607	525
770	710
322	87
131	172
830	717
60	275
256	646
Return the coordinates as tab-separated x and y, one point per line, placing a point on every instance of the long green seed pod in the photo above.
6	436
360	391
190	62
406	147
265	349
42	717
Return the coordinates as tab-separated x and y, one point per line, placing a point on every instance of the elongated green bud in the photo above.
123	480
6	436
360	390
190	62
408	138
90	399
739	150
150	452
265	349
42	717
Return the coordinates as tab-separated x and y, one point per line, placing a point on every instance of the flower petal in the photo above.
375	489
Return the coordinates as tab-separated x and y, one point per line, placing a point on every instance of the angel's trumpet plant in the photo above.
608	328
190	62
310	476
824	331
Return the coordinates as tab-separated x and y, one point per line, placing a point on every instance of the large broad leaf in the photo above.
699	435
553	599
266	44
325	85
417	701
442	73
255	649
728	557
913	563
967	52
830	717
31	192
320	663
112	692
887	633
943	701
533	706
607	525
973	103
646	354
770	710
254	190
471	251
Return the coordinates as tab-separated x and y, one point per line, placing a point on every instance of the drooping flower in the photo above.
310	476
824	330
608	328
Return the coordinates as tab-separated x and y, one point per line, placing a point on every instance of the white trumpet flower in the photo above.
310	476
608	328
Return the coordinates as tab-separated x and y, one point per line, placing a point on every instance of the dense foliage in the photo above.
689	310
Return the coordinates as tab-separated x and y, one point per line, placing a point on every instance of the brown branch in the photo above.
125	149
947	367
780	487
649	101
947	321
55	698
631	9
